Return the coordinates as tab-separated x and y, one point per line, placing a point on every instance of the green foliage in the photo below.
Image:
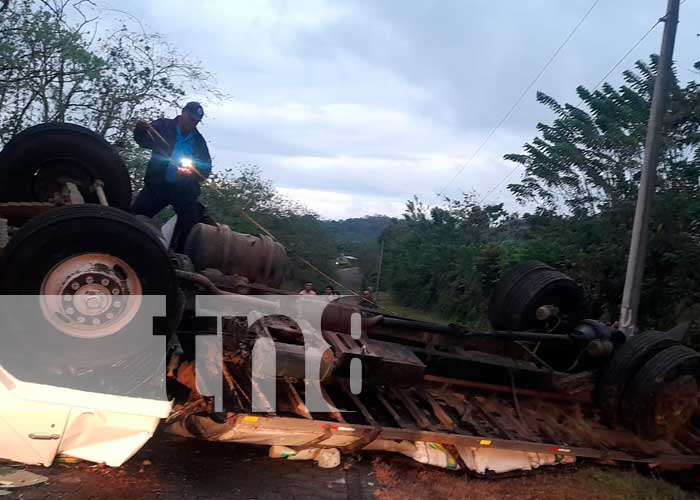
300	230
57	64
359	237
582	171
359	230
589	160
444	258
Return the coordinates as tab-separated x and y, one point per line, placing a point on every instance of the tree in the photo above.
56	64
591	158
233	192
442	257
588	161
582	171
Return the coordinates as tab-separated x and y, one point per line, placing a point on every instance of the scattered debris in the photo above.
481	460
420	451
326	458
13	478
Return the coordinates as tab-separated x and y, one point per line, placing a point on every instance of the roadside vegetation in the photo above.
398	479
581	174
98	67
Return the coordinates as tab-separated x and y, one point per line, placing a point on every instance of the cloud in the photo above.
343	205
372	102
352	148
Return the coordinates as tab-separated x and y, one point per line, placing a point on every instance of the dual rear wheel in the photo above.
651	385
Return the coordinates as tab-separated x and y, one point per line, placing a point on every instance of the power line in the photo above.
520	98
600	82
622	59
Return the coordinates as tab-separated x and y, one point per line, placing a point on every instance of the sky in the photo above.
353	107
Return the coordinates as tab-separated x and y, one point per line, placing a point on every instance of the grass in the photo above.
387	302
399	479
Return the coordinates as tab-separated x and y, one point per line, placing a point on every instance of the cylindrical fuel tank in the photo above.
259	258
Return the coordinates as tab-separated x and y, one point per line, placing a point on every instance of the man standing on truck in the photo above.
179	163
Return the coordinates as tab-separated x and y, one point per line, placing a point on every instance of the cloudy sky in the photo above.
352	107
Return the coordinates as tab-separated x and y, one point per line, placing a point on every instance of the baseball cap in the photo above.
194	109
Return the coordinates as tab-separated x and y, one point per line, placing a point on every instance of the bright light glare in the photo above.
186	163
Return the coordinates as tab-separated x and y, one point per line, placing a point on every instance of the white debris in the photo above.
498	460
326	458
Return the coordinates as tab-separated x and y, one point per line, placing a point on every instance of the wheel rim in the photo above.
91	295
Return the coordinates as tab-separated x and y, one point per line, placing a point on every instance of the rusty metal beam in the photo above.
552	396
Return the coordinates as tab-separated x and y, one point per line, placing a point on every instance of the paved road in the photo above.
171	467
351	277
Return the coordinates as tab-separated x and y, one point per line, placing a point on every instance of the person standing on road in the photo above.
308	289
368	300
179	163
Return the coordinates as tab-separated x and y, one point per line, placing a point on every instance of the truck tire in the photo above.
92	271
35	161
624	364
525	288
663	396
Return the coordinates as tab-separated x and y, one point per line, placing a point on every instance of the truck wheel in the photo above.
90	270
525	288
36	163
663	396
624	364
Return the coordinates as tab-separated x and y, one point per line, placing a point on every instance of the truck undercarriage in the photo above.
544	380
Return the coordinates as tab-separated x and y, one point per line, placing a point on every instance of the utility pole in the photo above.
379	270
640	229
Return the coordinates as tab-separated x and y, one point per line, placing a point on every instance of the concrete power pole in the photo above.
379	270
640	230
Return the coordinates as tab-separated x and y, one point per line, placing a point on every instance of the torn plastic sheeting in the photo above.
326	458
497	460
477	459
421	451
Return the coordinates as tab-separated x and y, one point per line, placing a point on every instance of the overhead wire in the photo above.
593	89
520	98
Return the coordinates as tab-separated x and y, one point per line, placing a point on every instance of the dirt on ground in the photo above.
170	467
400	479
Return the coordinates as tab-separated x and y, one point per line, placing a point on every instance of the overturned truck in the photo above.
80	274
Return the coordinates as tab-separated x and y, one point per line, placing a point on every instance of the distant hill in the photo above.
358	230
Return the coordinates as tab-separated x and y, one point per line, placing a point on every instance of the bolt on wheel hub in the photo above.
91	295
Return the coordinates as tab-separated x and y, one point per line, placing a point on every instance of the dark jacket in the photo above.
160	157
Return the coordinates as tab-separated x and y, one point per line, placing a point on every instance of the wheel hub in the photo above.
91	295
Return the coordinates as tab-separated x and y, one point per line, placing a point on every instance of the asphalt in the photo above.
171	467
